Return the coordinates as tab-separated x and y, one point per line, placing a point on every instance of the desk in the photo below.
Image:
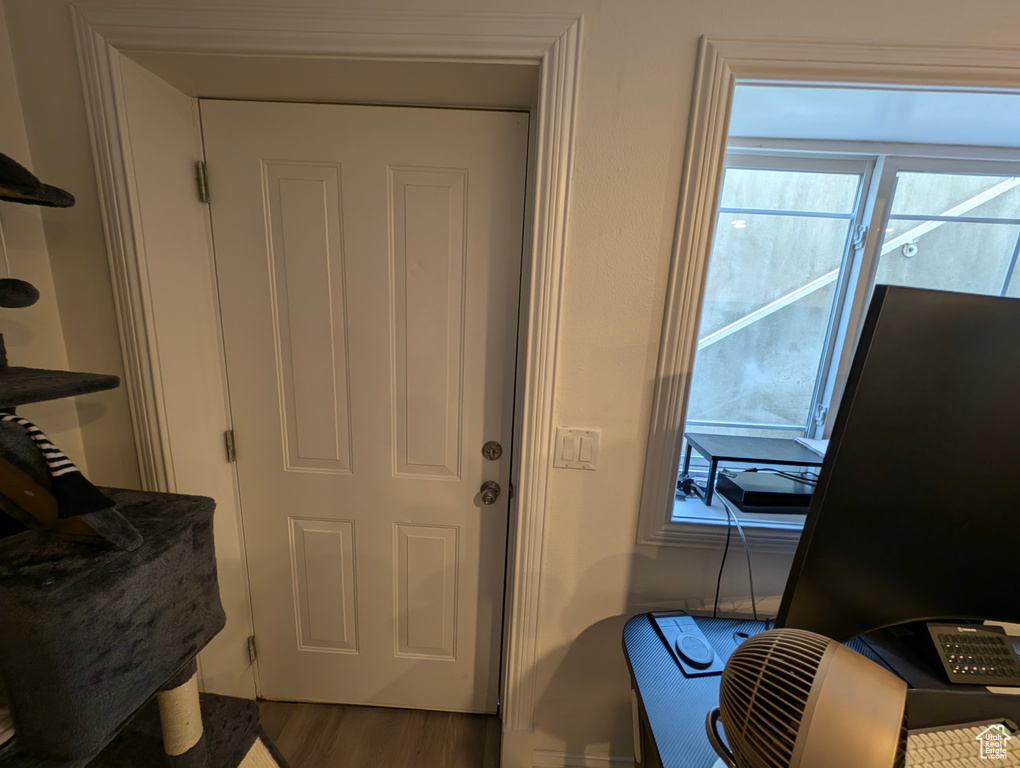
744	450
671	708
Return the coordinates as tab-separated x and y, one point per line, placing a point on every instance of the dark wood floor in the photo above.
340	736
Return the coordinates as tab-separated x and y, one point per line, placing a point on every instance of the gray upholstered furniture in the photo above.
102	609
99	624
89	635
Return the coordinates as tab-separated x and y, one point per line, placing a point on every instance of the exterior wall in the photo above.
32	335
636	78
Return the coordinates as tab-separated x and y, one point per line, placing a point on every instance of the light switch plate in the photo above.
576	448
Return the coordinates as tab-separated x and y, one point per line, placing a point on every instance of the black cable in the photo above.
722	564
806	477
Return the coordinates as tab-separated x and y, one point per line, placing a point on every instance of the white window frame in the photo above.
912	159
827	160
857	272
721	64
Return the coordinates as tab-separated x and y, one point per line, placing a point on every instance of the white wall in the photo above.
636	76
32	335
53	110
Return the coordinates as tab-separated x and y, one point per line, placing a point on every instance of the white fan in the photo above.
795	699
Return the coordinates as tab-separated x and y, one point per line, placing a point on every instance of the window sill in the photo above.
692	524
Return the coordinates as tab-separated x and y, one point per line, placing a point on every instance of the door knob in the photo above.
490	492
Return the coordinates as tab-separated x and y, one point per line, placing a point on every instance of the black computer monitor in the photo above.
916	515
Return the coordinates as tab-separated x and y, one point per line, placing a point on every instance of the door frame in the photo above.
553	42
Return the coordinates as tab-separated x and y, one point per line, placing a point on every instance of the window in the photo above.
783	240
957	231
783	100
800	240
790	255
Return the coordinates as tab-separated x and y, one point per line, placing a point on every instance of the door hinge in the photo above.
252	652
202	180
228	441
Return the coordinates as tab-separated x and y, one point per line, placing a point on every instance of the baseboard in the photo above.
516	748
544	758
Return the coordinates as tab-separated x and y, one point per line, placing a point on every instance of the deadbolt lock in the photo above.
492	450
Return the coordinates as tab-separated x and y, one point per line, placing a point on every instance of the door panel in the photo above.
429	218
368	260
426	580
304	219
323	571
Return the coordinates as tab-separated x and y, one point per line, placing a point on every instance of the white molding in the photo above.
848	63
704	532
721	63
699	194
544	758
554	161
348	34
553	41
103	102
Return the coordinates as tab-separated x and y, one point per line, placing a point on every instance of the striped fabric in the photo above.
74	494
58	463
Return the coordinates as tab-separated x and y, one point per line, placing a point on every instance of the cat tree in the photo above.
106	595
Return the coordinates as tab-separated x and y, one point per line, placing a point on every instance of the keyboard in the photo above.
990	744
976	654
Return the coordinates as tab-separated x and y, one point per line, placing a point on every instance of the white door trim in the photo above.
721	64
551	41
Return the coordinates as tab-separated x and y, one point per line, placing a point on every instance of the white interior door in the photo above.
368	261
